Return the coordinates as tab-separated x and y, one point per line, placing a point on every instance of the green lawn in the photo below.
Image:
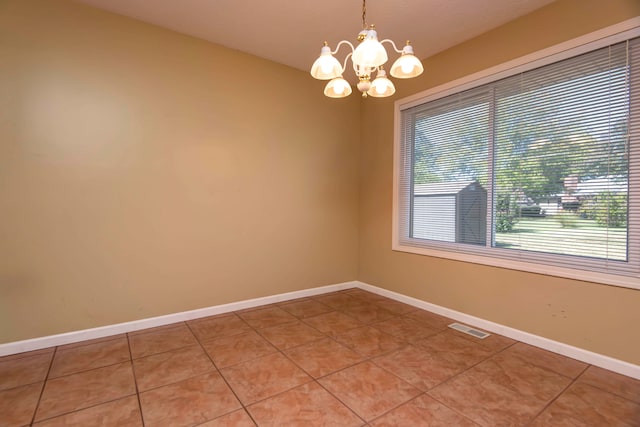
582	237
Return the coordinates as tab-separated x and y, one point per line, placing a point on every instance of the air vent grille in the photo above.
468	330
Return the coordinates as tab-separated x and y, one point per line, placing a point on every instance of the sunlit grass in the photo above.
579	236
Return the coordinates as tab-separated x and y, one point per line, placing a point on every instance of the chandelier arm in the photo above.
340	44
344	64
392	44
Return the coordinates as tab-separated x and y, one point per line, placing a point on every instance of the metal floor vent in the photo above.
467	330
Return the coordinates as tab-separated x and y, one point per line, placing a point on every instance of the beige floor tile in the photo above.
306	307
307	405
423	411
335	299
170	367
333	323
323	357
218	326
433	360
17	405
419	368
48	350
238	418
85	389
15	372
189	402
368	390
429	319
545	359
365	296
229	351
623	386
585	405
264	377
83	358
368	313
291	335
393	306
501	390
406	328
159	341
91	341
123	412
369	341
266	317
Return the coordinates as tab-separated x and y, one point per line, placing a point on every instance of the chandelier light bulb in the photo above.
326	68
369	56
407	67
340	87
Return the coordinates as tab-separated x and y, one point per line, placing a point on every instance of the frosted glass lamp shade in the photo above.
381	86
326	67
407	66
369	53
337	88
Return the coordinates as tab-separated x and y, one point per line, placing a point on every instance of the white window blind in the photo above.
542	166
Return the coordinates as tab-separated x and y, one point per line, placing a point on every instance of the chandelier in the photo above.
368	57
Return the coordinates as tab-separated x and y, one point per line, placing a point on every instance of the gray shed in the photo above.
450	211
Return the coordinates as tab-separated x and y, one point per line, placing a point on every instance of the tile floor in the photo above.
347	358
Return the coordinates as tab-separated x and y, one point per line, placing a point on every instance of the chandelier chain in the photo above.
364	13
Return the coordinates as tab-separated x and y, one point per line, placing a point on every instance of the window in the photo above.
534	167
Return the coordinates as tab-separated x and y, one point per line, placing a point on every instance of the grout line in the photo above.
135	380
44	383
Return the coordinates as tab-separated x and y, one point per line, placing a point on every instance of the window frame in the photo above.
589	42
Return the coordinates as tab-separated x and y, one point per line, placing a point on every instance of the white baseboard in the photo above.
586	356
596	359
105	331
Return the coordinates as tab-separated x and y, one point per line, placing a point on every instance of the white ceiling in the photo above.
291	32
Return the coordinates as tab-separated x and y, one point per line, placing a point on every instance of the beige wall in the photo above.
144	173
587	315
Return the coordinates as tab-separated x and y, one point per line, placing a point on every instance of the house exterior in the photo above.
577	191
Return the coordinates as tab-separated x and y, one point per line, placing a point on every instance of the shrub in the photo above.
505	213
567	219
606	208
